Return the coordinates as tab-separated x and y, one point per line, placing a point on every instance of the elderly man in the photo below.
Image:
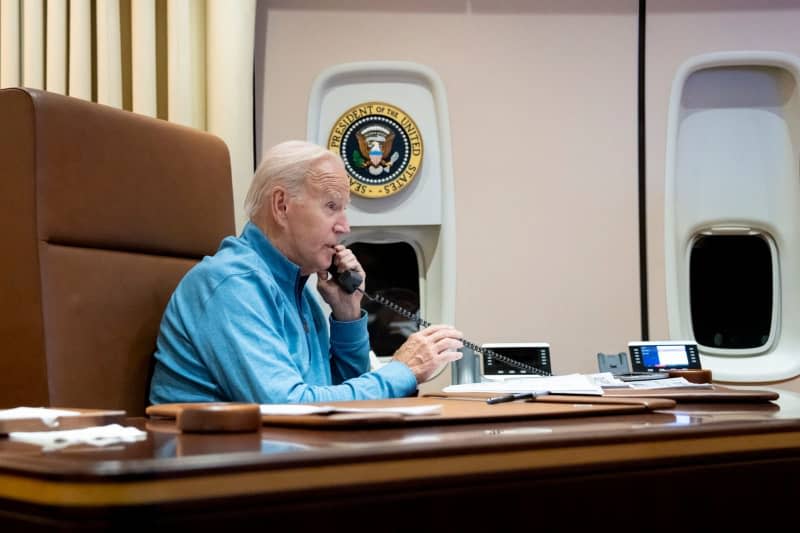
243	326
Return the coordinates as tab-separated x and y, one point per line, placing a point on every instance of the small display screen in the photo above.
525	357
649	357
665	356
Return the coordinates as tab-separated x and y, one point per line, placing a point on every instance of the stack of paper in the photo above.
48	416
669	383
96	436
607	380
566	384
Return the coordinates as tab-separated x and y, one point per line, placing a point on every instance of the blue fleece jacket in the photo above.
243	326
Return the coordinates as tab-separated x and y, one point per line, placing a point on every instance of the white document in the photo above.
306	409
49	417
566	384
607	380
669	383
96	436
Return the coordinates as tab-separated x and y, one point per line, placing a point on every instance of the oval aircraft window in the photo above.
392	272
733	292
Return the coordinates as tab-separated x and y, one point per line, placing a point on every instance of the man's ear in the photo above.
279	204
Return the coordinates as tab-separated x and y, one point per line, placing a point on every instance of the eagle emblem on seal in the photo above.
375	147
380	146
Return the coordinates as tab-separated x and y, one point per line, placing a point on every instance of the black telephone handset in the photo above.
350	281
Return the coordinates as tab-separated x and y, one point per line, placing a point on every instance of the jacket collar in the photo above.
286	273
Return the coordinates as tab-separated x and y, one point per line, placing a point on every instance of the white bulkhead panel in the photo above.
733	142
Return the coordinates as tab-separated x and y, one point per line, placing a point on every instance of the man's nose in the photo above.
342	226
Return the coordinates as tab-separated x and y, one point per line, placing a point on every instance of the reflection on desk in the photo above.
724	457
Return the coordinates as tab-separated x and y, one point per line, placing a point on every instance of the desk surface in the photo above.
727	452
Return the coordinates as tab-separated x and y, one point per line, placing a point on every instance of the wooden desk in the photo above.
728	461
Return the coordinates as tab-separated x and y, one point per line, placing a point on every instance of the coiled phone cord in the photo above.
471	345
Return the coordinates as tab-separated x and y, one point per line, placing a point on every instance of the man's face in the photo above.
316	218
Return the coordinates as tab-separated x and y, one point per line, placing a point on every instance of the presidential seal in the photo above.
381	148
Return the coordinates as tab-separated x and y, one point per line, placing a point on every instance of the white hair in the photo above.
287	164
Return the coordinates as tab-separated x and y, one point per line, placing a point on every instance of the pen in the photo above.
512	397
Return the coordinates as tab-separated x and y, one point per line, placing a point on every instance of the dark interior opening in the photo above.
730	285
392	272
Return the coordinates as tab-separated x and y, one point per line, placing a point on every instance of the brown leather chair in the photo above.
102	212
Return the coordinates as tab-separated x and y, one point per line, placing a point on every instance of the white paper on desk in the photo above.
96	436
566	384
305	409
49	417
415	410
607	380
669	383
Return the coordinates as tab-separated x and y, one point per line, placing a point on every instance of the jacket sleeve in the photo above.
242	340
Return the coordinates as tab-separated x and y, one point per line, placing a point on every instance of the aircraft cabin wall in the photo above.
680	33
542	99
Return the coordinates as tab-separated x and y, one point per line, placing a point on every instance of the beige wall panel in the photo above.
179	94
676	31
186	62
143	56
9	43
56	50
197	50
109	54
543	120
80	49
229	90
33	44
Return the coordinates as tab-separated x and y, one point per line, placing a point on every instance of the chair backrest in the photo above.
102	212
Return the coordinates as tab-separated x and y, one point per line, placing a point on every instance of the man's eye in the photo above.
331	205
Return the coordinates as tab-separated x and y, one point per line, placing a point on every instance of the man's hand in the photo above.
345	307
428	350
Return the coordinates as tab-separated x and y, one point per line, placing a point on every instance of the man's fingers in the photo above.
439	331
431	330
345	259
446	335
448	343
451	356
